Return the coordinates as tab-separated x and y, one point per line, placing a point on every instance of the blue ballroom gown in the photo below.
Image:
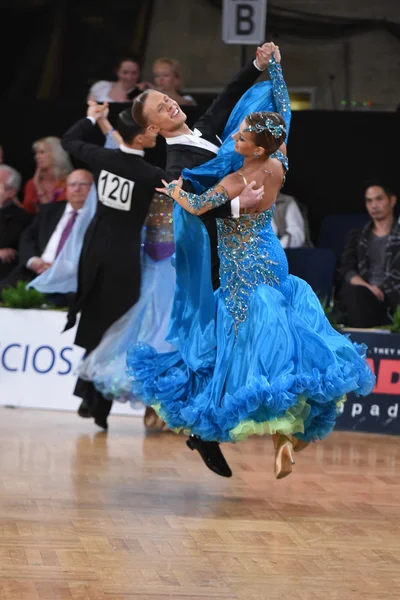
257	355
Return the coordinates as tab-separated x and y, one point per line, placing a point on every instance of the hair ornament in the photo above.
276	130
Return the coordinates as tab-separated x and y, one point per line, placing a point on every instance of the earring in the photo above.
256	155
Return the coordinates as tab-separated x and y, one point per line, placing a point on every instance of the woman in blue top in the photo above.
258	355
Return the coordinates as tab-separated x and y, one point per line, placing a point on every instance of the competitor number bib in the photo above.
115	191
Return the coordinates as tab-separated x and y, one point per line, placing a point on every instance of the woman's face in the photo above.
244	143
128	74
43	156
164	78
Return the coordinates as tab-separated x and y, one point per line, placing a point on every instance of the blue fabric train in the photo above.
258	355
260	97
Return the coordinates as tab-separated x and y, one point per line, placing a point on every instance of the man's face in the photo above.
379	205
9	192
78	186
163	114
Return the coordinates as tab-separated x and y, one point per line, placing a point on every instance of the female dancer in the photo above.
258	355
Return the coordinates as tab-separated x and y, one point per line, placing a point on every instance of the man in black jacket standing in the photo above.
109	269
188	148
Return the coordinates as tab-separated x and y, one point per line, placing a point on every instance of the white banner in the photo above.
38	362
243	21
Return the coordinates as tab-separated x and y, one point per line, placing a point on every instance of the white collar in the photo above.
179	139
69	209
194	138
128	150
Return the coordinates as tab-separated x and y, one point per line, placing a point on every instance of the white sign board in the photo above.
38	362
243	21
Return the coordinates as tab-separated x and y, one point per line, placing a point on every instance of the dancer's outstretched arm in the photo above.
214	119
279	88
230	187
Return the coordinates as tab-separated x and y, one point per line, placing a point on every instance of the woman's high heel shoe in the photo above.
284	457
152	421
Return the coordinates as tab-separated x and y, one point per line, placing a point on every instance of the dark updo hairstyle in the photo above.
126	58
269	130
138	108
127	127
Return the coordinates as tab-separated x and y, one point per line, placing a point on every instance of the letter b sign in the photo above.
243	21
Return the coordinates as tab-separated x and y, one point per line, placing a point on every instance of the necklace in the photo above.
269	172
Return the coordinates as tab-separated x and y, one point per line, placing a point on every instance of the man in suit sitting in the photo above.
42	241
13	219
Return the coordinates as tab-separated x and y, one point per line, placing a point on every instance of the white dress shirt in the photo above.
195	139
295	230
50	251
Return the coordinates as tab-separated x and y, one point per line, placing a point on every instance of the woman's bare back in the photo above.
270	174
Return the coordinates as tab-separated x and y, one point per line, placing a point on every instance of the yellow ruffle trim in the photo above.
290	423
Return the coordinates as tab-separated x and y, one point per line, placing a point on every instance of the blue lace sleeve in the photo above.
285	163
199	204
280	92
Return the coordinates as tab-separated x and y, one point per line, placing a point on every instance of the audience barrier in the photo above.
38	363
379	412
38	370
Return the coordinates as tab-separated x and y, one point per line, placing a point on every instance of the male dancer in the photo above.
188	149
109	269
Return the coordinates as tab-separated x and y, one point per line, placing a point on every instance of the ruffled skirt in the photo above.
147	321
285	369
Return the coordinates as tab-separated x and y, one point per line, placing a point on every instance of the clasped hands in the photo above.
97	111
265	52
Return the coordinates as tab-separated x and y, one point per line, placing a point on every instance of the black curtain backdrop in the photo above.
331	154
58	49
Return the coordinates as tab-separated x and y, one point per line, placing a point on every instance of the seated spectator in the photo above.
13	219
370	264
289	224
41	242
168	79
124	89
48	183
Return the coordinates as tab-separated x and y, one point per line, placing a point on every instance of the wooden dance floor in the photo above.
127	516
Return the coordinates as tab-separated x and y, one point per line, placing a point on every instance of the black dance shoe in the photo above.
84	410
101	422
211	454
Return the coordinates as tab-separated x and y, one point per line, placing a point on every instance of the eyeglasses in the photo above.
78	184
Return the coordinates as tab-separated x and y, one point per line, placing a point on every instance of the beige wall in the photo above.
190	30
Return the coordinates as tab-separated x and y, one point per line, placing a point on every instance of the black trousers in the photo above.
361	307
99	407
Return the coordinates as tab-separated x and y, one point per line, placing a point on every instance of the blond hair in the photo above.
171	62
61	162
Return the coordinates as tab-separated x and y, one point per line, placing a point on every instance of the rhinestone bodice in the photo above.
159	229
250	256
